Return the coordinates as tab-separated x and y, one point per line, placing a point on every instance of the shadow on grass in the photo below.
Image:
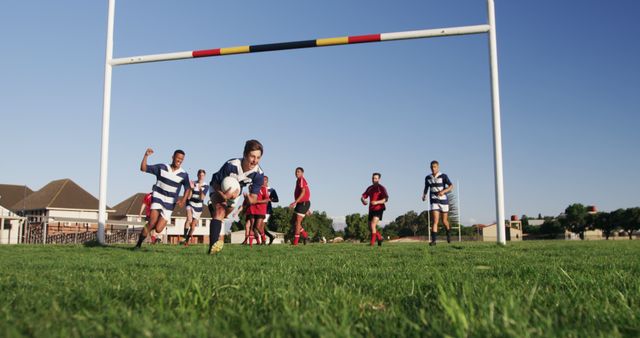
96	244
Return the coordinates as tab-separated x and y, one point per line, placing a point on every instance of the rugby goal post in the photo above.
489	28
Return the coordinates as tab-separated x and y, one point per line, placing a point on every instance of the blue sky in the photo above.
569	76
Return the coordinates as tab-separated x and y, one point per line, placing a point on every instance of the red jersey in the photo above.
147	204
376	192
259	208
302	183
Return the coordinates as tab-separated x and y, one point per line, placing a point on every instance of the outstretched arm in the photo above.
143	164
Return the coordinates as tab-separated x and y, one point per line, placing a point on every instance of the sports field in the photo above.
555	288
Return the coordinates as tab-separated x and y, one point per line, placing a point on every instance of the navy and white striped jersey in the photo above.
233	168
437	184
195	201
167	187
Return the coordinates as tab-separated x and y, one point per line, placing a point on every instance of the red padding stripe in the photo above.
364	38
205	52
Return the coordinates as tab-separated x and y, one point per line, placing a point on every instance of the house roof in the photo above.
11	194
64	194
131	207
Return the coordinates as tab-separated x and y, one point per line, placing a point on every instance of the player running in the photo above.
377	195
440	185
170	178
221	203
300	206
199	191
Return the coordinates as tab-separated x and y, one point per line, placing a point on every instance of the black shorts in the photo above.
302	208
256	217
375	213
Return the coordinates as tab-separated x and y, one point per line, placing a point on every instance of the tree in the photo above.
630	221
409	224
319	225
280	220
551	227
357	227
390	230
575	219
454	209
603	221
422	223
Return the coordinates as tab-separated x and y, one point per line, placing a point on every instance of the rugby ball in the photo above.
230	184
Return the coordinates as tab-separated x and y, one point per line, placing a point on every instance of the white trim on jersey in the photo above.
163	198
166	187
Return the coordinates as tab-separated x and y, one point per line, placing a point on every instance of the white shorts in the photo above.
266	218
194	214
440	207
166	214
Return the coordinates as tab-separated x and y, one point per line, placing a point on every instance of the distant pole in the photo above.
106	112
45	227
497	132
459	213
1	224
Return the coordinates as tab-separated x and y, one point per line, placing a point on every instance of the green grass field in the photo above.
556	288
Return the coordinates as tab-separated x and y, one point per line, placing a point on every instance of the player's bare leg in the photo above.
434	228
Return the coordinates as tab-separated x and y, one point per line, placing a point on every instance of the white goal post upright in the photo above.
497	129
106	116
110	62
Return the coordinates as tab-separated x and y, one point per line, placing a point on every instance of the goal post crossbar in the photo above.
489	28
325	42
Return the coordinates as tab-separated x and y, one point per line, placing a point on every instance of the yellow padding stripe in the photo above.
333	41
234	50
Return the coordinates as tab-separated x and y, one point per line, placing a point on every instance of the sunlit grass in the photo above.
581	289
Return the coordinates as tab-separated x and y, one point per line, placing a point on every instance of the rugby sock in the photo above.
140	240
379	237
373	238
214	232
186	233
251	241
268	234
264	238
304	233
433	236
296	239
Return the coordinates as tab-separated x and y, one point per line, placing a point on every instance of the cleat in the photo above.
432	243
216	247
448	237
304	240
380	242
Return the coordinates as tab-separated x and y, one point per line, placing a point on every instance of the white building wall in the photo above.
85	214
10	235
